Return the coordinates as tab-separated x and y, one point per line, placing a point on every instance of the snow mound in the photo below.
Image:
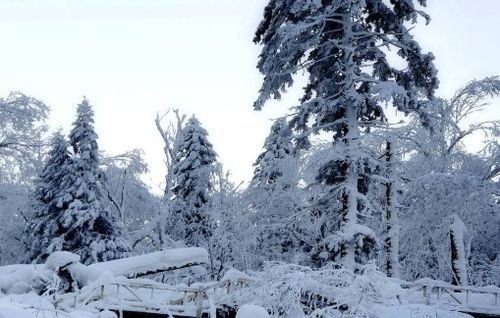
60	259
252	311
10	311
86	275
107	314
34	306
21	279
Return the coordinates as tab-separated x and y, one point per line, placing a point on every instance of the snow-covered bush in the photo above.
293	291
288	290
14	203
251	311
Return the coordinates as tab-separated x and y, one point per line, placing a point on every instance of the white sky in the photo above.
134	58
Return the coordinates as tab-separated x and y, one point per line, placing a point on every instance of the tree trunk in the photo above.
458	252
391	223
350	217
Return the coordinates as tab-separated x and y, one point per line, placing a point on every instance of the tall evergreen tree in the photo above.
43	229
341	46
193	166
273	193
86	226
272	167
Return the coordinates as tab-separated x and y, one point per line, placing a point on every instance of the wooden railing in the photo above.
195	300
153	297
434	291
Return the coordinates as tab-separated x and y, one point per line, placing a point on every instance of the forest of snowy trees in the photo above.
369	166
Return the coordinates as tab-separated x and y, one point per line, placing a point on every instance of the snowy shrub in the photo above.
288	290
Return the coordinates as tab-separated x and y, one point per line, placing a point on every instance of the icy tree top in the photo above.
277	159
344	46
83	138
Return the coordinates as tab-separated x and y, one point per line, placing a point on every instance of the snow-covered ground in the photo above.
280	289
34	306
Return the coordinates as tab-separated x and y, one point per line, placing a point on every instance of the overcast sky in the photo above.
134	58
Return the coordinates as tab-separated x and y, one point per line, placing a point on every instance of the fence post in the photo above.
199	304
104	301
120	308
427	294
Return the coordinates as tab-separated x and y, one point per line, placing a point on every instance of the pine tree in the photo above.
272	167
340	44
274	194
86	226
193	166
43	229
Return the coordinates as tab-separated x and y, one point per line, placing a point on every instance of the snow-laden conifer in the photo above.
193	167
85	226
276	166
273	193
341	44
43	229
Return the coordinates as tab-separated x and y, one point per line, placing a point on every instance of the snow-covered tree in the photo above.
277	165
274	195
130	198
85	226
22	127
14	211
341	45
43	228
233	237
445	182
156	230
384	195
171	135
193	166
22	130
441	145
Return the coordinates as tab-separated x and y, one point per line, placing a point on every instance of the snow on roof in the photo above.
23	278
154	262
234	275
